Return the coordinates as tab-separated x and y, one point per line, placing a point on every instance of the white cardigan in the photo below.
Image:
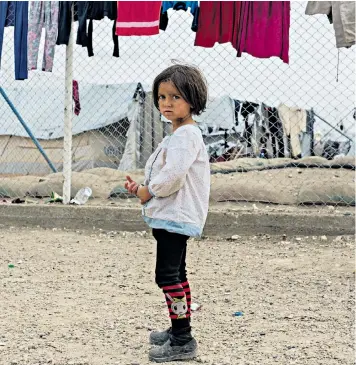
178	178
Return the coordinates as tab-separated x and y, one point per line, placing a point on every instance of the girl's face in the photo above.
171	103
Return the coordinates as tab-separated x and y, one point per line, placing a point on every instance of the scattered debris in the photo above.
17	201
238	314
82	196
55	198
195	307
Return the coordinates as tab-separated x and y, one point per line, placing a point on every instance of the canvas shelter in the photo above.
118	127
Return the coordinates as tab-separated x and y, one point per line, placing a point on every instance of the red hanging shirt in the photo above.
218	22
138	18
264	29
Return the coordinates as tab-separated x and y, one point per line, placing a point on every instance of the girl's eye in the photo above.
176	97
160	97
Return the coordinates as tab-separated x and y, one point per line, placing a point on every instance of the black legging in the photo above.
171	256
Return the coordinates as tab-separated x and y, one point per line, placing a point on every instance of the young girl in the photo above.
175	198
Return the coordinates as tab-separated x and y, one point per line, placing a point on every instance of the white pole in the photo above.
68	115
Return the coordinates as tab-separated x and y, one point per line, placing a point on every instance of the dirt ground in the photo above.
90	298
273	185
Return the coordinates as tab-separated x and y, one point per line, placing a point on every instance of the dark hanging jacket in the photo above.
83	11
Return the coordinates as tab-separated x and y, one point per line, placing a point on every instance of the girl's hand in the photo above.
143	194
131	186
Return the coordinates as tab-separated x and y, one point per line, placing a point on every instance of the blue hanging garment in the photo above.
179	5
15	13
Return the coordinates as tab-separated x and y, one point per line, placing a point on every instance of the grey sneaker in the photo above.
167	352
160	338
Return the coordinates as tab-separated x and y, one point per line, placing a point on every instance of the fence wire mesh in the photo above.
275	132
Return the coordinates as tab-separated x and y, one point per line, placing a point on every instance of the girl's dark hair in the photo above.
190	83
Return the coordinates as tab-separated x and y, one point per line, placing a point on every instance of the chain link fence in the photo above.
275	132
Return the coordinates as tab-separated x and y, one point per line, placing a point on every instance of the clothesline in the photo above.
213	21
259	28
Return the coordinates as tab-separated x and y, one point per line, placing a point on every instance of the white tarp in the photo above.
220	113
43	111
128	160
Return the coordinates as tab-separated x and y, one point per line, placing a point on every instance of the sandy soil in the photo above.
90	298
288	186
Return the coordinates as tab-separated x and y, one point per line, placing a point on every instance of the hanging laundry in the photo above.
218	22
77	107
274	129
15	13
264	29
294	121
341	14
64	22
80	9
42	14
308	140
100	9
83	11
251	117
179	5
138	18
237	105
97	11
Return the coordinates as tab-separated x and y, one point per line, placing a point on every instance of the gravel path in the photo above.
81	298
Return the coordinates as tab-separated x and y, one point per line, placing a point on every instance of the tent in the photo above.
148	127
118	127
99	131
